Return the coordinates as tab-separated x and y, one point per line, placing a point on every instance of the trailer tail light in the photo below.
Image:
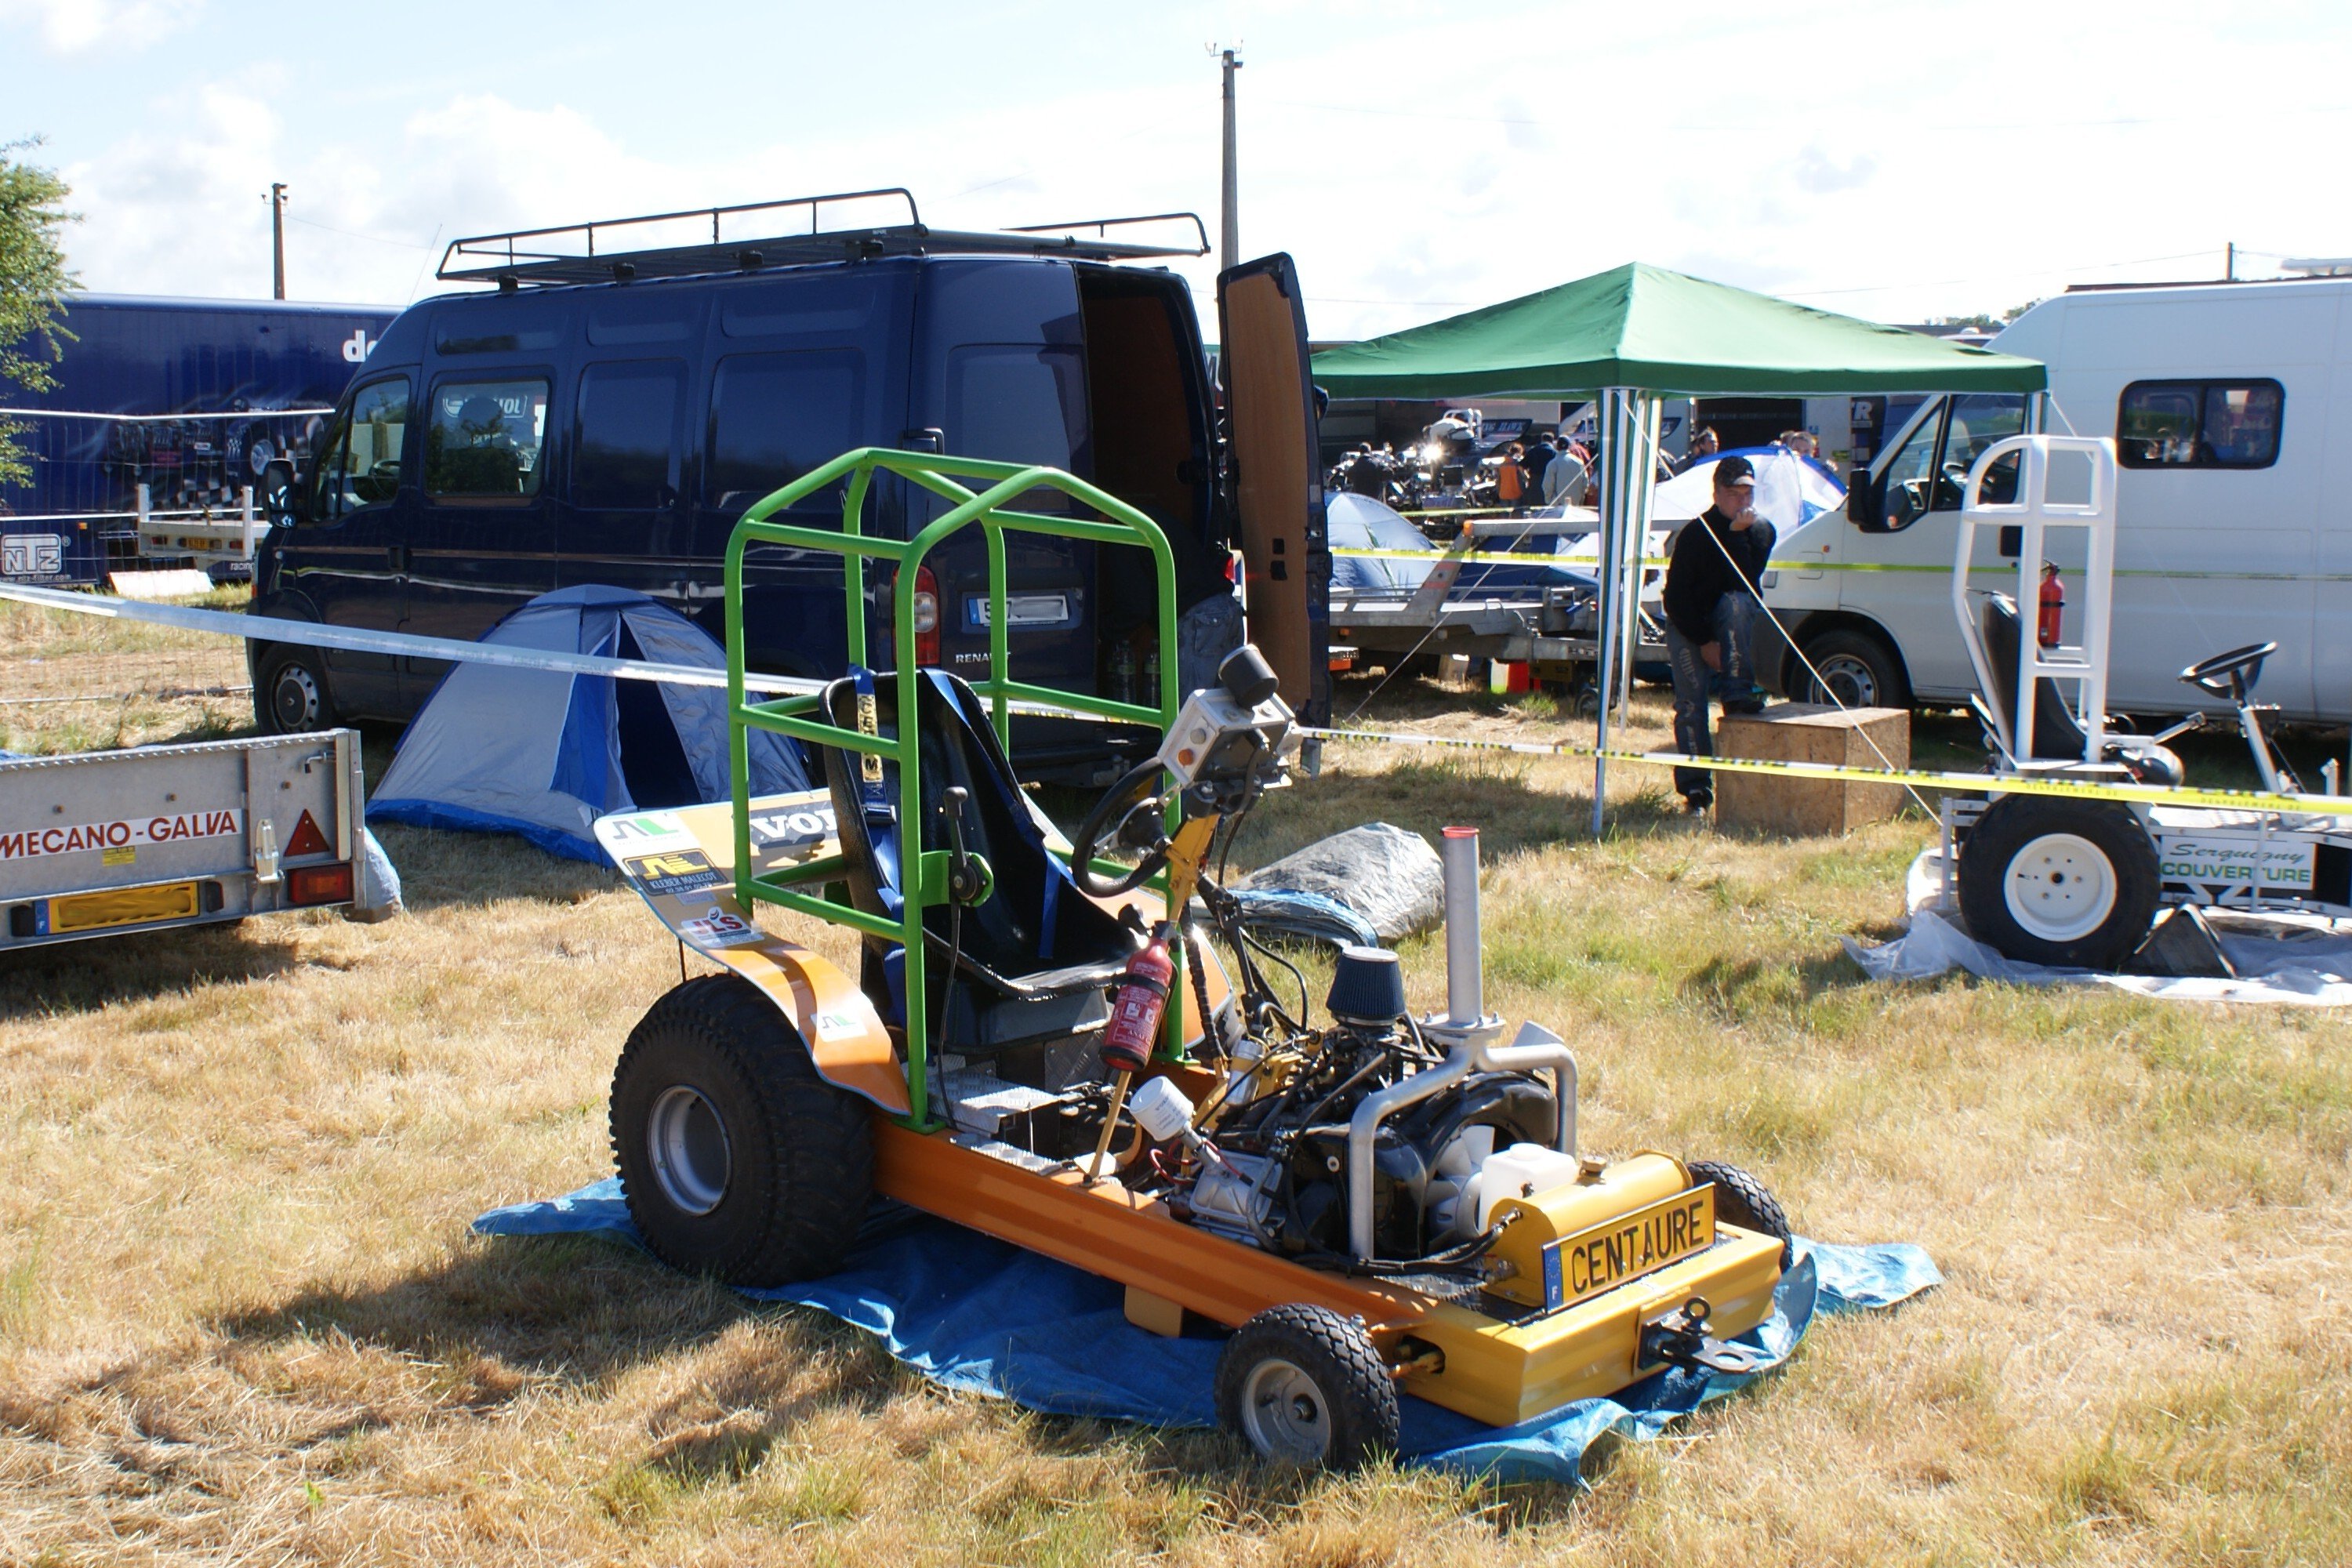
320	884
926	617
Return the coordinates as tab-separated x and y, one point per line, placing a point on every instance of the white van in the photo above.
2234	511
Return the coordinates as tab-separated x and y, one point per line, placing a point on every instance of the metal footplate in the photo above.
1680	1339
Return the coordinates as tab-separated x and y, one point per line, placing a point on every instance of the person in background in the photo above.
1536	464
1510	480
1564	480
1703	449
1711	607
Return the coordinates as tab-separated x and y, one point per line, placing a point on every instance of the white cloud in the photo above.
71	27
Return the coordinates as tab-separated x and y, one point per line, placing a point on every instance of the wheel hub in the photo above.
295	698
1849	680
686	1144
2060	887
1285	1415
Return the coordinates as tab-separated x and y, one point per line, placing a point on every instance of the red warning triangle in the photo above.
308	839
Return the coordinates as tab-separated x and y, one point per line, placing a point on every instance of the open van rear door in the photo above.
1277	477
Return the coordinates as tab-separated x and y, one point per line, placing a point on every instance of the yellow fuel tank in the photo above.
1629	1218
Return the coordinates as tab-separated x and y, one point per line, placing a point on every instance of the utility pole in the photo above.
278	240
2230	263
1229	251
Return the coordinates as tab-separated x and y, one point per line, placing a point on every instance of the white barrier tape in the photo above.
1972	783
310	633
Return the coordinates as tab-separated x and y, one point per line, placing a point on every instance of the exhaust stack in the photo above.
1466	976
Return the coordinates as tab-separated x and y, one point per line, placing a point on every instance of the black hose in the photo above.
1102	818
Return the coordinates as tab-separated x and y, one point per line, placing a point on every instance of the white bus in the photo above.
2233	504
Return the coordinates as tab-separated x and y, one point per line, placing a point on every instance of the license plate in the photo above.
123	906
1603	1256
1020	610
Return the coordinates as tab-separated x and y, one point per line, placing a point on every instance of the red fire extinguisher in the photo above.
1139	1005
2053	605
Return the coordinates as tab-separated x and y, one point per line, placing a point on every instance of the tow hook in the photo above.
1680	1339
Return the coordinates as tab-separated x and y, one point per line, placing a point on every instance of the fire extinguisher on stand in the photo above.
2054	606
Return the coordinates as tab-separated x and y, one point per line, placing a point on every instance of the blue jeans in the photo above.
1735	619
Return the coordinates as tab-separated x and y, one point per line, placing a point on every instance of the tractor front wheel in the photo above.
2044	879
737	1160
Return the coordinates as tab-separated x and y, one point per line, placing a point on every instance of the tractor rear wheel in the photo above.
2045	880
1741	1200
1303	1385
736	1158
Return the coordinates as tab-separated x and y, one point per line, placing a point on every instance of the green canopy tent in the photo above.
1633	334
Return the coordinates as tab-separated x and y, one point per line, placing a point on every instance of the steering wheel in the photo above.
1113	817
2231	673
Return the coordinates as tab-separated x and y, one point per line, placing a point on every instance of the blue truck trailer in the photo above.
197	400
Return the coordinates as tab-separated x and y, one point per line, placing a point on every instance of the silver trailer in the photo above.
98	843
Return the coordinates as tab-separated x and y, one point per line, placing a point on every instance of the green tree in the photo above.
33	281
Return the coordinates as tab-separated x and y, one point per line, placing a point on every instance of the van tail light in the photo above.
926	617
320	884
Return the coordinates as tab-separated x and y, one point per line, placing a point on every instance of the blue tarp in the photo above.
983	1316
543	753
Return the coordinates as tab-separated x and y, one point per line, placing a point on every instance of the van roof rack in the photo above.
610	250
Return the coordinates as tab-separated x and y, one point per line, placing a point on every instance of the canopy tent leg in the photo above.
1628	424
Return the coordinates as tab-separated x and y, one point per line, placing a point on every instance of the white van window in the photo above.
361	461
487	438
1909	472
1977	421
623	447
2199	423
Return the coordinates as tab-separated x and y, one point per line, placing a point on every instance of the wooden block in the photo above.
1811	733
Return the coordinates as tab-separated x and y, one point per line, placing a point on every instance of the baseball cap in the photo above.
1735	471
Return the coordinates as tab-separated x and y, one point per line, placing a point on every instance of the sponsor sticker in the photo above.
803	827
643	833
720	929
2237	861
673	871
126	833
838	1025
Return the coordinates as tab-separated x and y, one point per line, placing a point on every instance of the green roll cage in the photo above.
808	887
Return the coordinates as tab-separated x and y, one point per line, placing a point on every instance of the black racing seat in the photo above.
2056	735
1036	956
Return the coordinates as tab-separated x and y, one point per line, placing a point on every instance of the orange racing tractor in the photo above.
1077	1048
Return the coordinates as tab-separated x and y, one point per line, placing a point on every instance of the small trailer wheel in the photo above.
737	1160
1741	1200
1303	1385
2044	879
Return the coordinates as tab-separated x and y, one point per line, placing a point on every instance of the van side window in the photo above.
2199	423
773	417
1976	422
487	438
359	464
623	447
1909	474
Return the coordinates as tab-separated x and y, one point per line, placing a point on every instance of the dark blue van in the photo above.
604	414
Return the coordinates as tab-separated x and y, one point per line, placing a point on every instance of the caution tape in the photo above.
1973	784
310	633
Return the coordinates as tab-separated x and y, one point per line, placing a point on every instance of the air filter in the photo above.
1367	987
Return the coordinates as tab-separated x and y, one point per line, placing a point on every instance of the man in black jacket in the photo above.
1711	601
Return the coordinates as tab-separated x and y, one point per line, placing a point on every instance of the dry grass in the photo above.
241	1319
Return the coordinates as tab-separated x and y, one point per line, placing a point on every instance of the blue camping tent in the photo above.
543	753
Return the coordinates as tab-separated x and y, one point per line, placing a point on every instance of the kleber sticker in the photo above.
27	843
673	871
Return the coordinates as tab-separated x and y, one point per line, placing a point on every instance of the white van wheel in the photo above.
2060	887
1855	669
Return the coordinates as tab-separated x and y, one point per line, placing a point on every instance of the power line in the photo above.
354	234
2041	272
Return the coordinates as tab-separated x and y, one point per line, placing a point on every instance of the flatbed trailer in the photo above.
108	843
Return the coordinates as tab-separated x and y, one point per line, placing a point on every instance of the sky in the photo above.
1899	161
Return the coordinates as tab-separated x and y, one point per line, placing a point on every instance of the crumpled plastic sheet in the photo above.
1387	874
1307	917
983	1316
2298	959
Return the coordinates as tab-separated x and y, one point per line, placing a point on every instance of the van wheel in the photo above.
2069	882
737	1160
1855	669
290	692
